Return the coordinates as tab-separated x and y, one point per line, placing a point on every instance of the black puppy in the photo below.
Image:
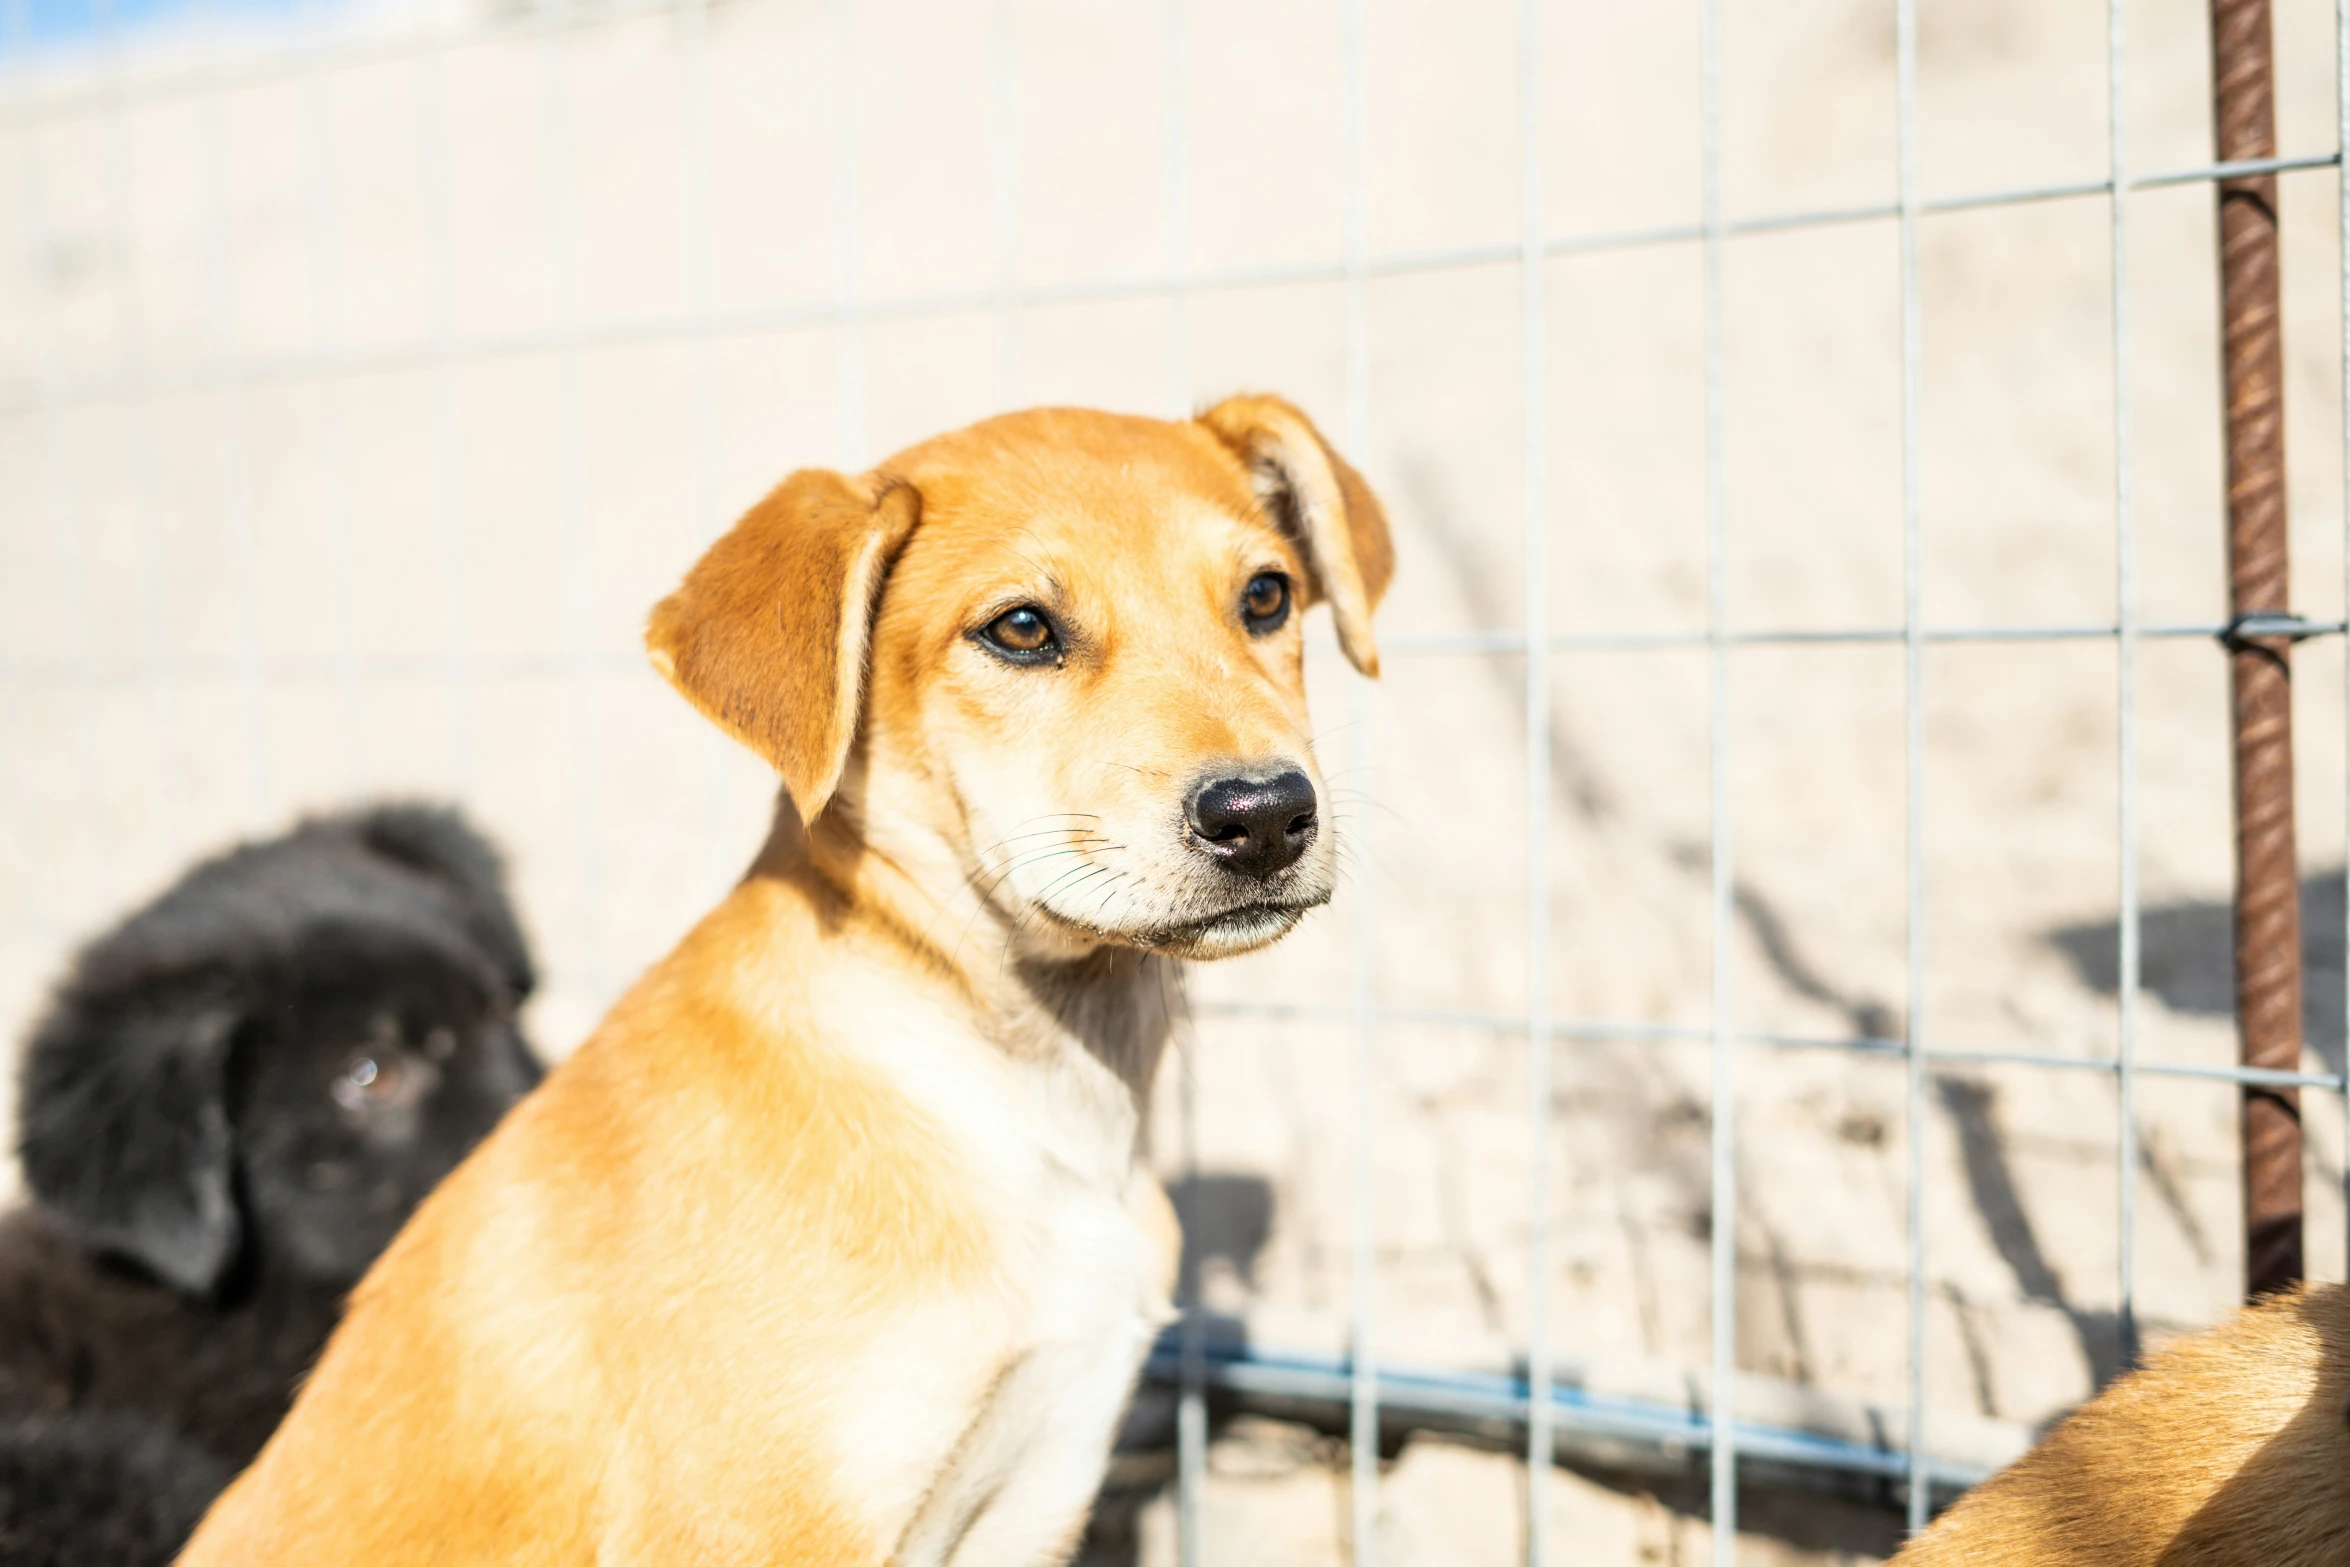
234	1102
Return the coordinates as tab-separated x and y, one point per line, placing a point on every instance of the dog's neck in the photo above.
1032	999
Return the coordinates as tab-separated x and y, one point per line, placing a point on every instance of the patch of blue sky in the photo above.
47	26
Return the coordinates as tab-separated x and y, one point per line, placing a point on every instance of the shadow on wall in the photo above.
1973	1108
1226	1221
2187	958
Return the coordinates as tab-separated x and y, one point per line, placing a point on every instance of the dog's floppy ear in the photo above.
1323	503
767	634
124	1128
438	843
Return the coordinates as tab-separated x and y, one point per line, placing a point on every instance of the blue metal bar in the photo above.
1675	1429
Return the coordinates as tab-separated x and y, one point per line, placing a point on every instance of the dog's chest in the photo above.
1084	1291
1090	1317
1085	1267
1057	1133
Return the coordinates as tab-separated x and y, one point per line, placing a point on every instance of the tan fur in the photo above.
767	634
829	1245
1338	520
2229	1449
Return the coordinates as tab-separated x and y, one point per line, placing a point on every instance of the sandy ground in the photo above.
351	417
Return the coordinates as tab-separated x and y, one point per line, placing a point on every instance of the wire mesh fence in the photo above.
369	371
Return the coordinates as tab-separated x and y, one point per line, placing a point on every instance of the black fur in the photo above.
235	1099
96	1488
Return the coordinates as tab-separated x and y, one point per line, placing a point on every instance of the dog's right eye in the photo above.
1022	634
366	1080
376	1078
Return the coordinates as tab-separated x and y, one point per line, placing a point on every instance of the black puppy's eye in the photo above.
376	1080
1024	634
1264	603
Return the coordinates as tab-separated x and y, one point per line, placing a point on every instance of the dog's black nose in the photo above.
1255	826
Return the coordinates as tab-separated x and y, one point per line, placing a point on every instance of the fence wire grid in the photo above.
65	79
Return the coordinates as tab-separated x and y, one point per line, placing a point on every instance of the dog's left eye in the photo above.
1024	634
1264	603
378	1079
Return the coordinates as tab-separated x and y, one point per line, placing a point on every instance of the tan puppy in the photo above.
829	1245
2230	1449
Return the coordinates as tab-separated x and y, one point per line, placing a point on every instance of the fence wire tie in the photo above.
2249	630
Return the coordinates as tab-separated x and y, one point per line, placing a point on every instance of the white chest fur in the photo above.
1085	1248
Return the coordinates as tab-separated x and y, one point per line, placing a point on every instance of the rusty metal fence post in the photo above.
2268	899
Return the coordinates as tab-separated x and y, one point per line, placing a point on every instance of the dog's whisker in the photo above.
1120	878
1098	870
1090	872
994	881
1038	857
1314	740
1370	861
985	881
983	895
1043	898
1018	836
1041	832
1078	834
